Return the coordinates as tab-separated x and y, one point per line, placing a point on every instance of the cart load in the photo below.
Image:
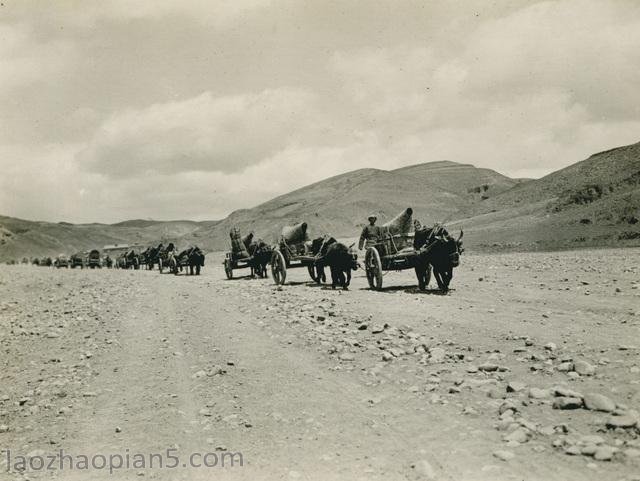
238	246
396	237
295	234
294	249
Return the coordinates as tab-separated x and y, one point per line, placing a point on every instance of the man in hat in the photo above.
371	233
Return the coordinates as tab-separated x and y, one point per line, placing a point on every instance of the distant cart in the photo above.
246	253
293	251
94	260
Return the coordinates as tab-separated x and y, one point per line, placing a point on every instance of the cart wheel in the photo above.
228	269
373	268
315	275
278	267
160	265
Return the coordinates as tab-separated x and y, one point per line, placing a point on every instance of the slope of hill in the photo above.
19	238
595	202
462	179
437	191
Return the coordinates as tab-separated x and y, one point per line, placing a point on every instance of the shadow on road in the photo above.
409	290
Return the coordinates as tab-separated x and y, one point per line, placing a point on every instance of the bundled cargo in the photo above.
238	247
396	232
400	224
295	234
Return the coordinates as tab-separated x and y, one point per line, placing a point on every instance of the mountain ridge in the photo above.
591	202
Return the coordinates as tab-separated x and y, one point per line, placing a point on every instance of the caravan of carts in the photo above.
167	259
400	244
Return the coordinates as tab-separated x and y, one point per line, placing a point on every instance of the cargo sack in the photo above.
295	234
238	249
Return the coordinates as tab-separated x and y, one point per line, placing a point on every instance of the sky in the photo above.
190	109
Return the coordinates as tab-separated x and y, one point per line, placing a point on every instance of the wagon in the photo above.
239	257
233	262
293	251
94	260
394	251
166	258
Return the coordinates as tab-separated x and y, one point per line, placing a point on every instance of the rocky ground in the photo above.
528	369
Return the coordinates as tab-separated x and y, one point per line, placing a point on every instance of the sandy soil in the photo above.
314	384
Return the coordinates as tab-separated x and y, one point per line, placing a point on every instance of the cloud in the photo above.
194	109
526	92
204	133
87	16
25	60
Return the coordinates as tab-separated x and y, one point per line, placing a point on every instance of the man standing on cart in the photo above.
371	234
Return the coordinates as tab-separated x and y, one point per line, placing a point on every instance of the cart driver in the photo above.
371	234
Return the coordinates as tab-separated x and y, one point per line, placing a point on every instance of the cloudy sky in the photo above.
191	109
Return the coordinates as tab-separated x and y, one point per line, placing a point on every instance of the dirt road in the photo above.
513	375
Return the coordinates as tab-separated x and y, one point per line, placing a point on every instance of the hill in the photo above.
19	238
595	202
340	205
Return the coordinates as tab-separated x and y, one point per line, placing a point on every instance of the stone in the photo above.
625	421
537	393
347	356
424	469
488	367
573	450
547	430
561	391
591	439
632	453
567	403
4	428
598	402
584	368
588	450
504	455
378	328
604	453
564	367
550	346
387	356
508	405
520	435
515	386
437	354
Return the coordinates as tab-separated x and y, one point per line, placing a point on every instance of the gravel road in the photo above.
528	369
